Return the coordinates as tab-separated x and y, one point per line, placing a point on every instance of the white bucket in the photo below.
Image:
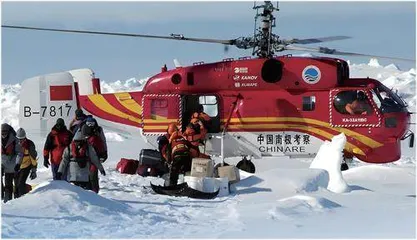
209	185
223	185
194	182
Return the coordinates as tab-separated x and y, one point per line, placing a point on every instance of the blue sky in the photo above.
381	28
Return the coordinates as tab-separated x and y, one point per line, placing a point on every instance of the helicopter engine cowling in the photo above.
271	71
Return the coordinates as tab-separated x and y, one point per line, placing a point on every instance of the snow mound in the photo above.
131	85
10	104
290	181
66	197
379	173
58	204
392	66
373	62
330	158
300	205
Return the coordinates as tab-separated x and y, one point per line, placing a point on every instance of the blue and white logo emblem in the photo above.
311	74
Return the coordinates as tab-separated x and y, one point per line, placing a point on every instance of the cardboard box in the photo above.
231	172
202	167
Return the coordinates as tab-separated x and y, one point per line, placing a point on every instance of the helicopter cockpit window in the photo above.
210	105
352	103
387	100
309	103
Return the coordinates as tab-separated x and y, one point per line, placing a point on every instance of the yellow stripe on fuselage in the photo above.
160	119
160	127
125	99
362	138
100	102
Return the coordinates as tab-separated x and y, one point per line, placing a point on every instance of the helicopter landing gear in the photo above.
344	165
246	165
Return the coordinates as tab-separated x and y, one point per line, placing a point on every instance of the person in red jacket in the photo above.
96	138
57	140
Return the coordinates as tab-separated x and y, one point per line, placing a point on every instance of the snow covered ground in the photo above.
285	199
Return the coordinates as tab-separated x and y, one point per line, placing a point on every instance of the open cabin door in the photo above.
353	108
210	104
158	111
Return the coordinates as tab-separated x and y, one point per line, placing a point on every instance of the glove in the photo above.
103	157
17	167
103	172
46	162
33	174
58	176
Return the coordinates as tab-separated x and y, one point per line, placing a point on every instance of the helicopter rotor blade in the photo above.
171	37
326	50
316	40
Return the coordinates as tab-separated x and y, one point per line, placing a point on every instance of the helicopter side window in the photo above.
209	104
352	103
159	108
309	103
387	101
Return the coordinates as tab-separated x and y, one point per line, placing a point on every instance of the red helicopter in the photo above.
263	106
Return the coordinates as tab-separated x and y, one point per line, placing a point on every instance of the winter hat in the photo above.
79	113
172	127
90	121
60	122
5	130
86	130
20	134
162	140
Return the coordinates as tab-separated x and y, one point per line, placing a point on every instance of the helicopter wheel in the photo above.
344	166
246	165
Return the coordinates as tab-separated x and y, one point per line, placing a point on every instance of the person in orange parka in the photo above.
195	140
196	131
164	140
180	157
57	140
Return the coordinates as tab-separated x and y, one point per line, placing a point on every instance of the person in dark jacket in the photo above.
78	121
57	140
96	138
25	163
77	159
9	151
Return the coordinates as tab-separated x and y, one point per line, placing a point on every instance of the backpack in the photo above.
79	152
127	166
179	148
98	145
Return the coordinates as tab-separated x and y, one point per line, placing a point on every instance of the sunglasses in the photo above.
90	124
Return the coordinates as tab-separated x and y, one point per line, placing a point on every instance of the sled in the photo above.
183	190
